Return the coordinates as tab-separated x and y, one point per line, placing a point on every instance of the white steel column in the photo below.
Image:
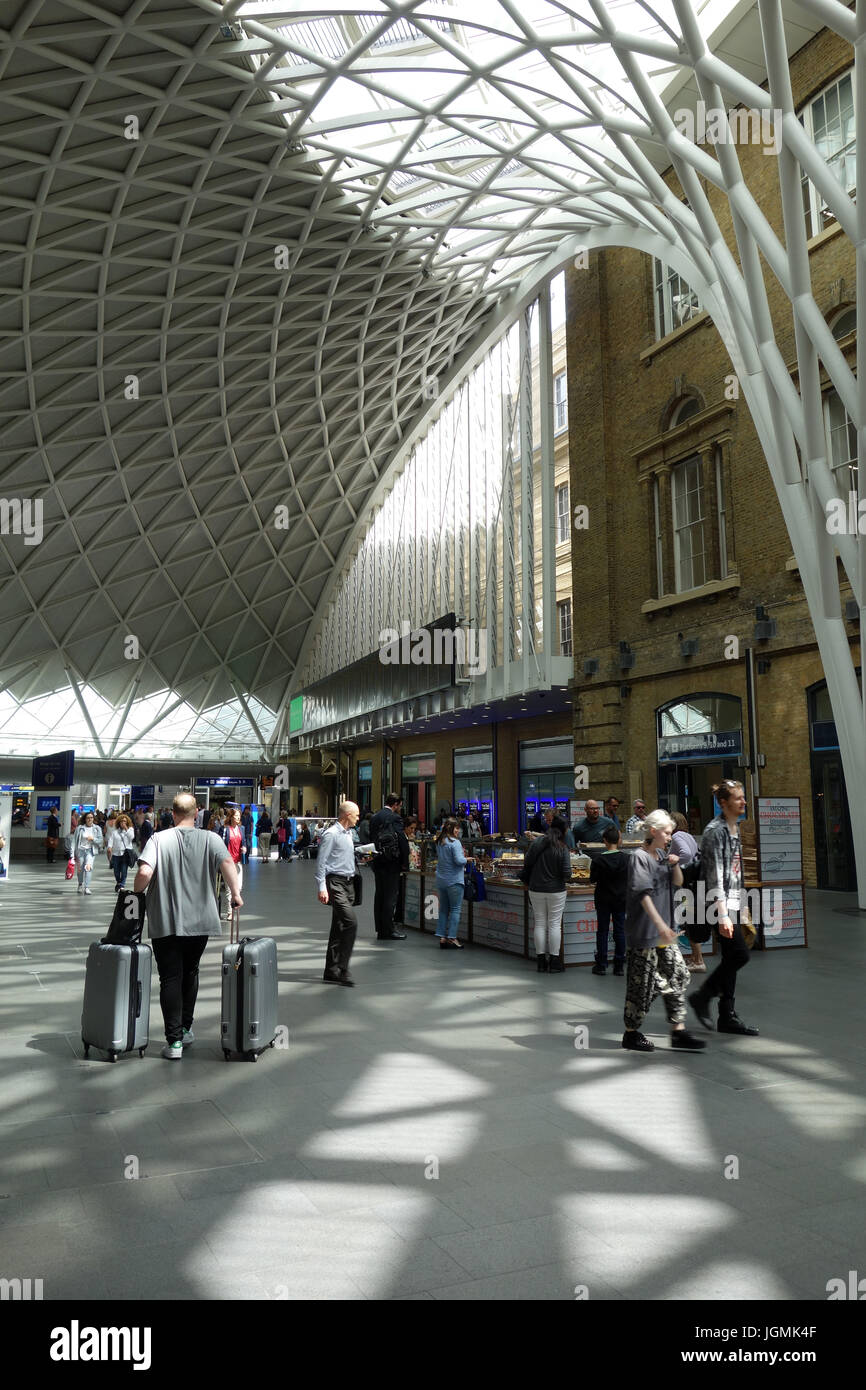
550	635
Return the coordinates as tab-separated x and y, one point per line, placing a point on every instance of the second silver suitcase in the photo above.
116	1009
249	996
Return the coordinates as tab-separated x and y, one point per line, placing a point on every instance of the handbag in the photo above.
281	836
357	889
470	888
131	856
750	935
70	869
51	841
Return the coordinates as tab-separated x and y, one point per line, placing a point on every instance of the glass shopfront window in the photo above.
546	778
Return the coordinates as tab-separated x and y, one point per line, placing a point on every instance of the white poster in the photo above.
779	842
5	833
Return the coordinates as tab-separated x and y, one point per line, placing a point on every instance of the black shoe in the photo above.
556	966
543	963
392	936
619	970
443	944
636	1042
701	1006
338	977
729	1023
599	970
686	1042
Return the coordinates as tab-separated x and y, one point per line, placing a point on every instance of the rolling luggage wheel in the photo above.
254	1056
141	1051
86	1046
226	1053
272	1043
112	1056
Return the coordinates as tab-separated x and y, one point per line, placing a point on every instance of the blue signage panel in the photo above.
56	770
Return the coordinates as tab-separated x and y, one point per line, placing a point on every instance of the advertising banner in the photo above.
44	807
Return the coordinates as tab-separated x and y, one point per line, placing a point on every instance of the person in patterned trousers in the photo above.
654	963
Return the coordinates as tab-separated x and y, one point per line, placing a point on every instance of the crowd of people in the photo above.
634	892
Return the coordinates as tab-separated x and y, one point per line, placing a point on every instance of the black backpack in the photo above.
388	844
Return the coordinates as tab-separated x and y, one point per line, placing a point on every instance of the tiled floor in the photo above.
433	1133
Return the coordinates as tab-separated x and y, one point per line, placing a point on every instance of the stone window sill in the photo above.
700	320
715	586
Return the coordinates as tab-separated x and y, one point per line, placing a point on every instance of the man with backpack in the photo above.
392	855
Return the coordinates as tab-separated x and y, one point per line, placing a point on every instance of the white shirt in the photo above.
119	841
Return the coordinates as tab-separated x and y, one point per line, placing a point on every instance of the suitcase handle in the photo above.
138	999
235	928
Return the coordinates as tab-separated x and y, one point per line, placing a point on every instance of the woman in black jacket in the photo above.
609	873
546	871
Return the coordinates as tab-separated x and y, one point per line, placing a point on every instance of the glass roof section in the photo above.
471	123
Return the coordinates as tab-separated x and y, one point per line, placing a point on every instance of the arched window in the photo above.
841	444
684	410
845	322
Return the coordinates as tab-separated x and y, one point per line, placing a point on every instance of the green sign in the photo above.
296	714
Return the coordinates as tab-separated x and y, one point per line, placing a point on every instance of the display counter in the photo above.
504	920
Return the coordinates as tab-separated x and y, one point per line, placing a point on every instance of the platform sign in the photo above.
143	796
780	852
56	770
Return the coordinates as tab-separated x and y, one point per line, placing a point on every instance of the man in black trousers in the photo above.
386	833
335	872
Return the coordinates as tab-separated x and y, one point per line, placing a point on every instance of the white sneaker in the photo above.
87	890
188	1037
173	1051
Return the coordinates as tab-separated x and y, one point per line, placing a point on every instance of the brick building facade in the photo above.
653	416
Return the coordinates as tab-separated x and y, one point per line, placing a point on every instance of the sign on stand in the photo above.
780	871
780	848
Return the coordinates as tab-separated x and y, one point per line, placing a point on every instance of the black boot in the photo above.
729	1023
543	963
701	1005
556	965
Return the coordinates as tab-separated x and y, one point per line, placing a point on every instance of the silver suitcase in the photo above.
116	1012
249	995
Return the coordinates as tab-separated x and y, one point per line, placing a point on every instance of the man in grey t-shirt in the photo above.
180	867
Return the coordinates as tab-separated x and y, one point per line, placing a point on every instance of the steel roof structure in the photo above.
239	243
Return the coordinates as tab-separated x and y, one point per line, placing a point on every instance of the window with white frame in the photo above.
841	444
690	548
560	403
675	301
564	614
563	530
828	120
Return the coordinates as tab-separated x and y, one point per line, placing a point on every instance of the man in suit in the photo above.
392	854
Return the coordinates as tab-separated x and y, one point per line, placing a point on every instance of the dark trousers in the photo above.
121	869
177	959
387	874
400	901
723	981
604	914
344	923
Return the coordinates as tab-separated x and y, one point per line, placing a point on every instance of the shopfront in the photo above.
700	742
546	777
418	787
364	794
473	783
834	845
